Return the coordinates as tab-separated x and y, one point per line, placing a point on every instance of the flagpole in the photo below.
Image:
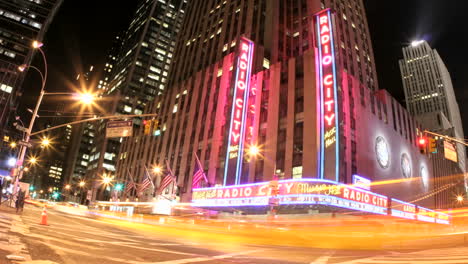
201	167
174	182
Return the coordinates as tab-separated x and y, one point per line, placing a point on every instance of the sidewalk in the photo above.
11	225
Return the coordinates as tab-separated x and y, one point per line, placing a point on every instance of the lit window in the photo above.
174	110
220	72
266	63
127	109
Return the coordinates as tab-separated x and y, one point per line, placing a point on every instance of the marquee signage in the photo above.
442	218
304	191
239	110
426	215
361	182
327	94
403	209
313	192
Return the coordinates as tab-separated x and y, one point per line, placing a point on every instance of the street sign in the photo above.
450	152
21	128
26	144
119	129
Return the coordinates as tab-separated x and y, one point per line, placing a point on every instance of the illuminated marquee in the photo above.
240	108
313	192
426	215
328	107
403	210
304	191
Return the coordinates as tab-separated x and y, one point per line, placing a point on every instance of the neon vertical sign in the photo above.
240	108
328	107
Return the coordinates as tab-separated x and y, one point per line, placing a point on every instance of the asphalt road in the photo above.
75	239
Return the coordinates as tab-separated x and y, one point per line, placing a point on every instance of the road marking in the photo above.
83	253
208	258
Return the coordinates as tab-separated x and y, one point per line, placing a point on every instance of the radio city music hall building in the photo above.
299	84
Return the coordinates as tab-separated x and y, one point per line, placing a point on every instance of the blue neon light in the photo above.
322	147
244	115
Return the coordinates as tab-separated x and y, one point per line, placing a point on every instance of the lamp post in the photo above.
85	97
22	153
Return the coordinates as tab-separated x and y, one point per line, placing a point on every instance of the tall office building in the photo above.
195	115
429	93
21	22
139	74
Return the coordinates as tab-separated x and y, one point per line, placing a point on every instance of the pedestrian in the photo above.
20	201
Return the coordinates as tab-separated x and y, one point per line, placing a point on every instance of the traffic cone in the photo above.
44	217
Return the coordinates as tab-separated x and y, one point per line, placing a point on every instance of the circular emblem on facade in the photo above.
382	153
425	176
405	165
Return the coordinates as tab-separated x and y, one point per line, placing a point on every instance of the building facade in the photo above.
429	92
196	114
139	74
21	22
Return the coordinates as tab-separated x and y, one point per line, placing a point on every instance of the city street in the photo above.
76	239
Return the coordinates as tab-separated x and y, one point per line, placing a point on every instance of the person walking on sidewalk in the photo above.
20	201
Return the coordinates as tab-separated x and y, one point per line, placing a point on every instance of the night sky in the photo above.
83	31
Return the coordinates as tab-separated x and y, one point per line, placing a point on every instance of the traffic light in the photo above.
156	125
147	124
422	144
432	145
118	187
31	188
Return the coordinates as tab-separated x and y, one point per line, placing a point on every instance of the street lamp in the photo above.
460	198
254	150
22	153
13	145
86	98
33	160
82	184
45	142
157	170
106	179
67	187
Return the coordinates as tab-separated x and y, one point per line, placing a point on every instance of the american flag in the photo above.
128	187
198	174
147	181
168	179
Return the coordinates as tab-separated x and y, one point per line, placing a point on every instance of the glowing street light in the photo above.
26	169
86	98
13	145
50	189
82	184
33	160
106	179
45	142
157	170
68	186
11	162
253	150
460	198
37	44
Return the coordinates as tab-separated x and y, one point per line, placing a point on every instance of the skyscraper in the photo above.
429	92
194	117
139	73
21	22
